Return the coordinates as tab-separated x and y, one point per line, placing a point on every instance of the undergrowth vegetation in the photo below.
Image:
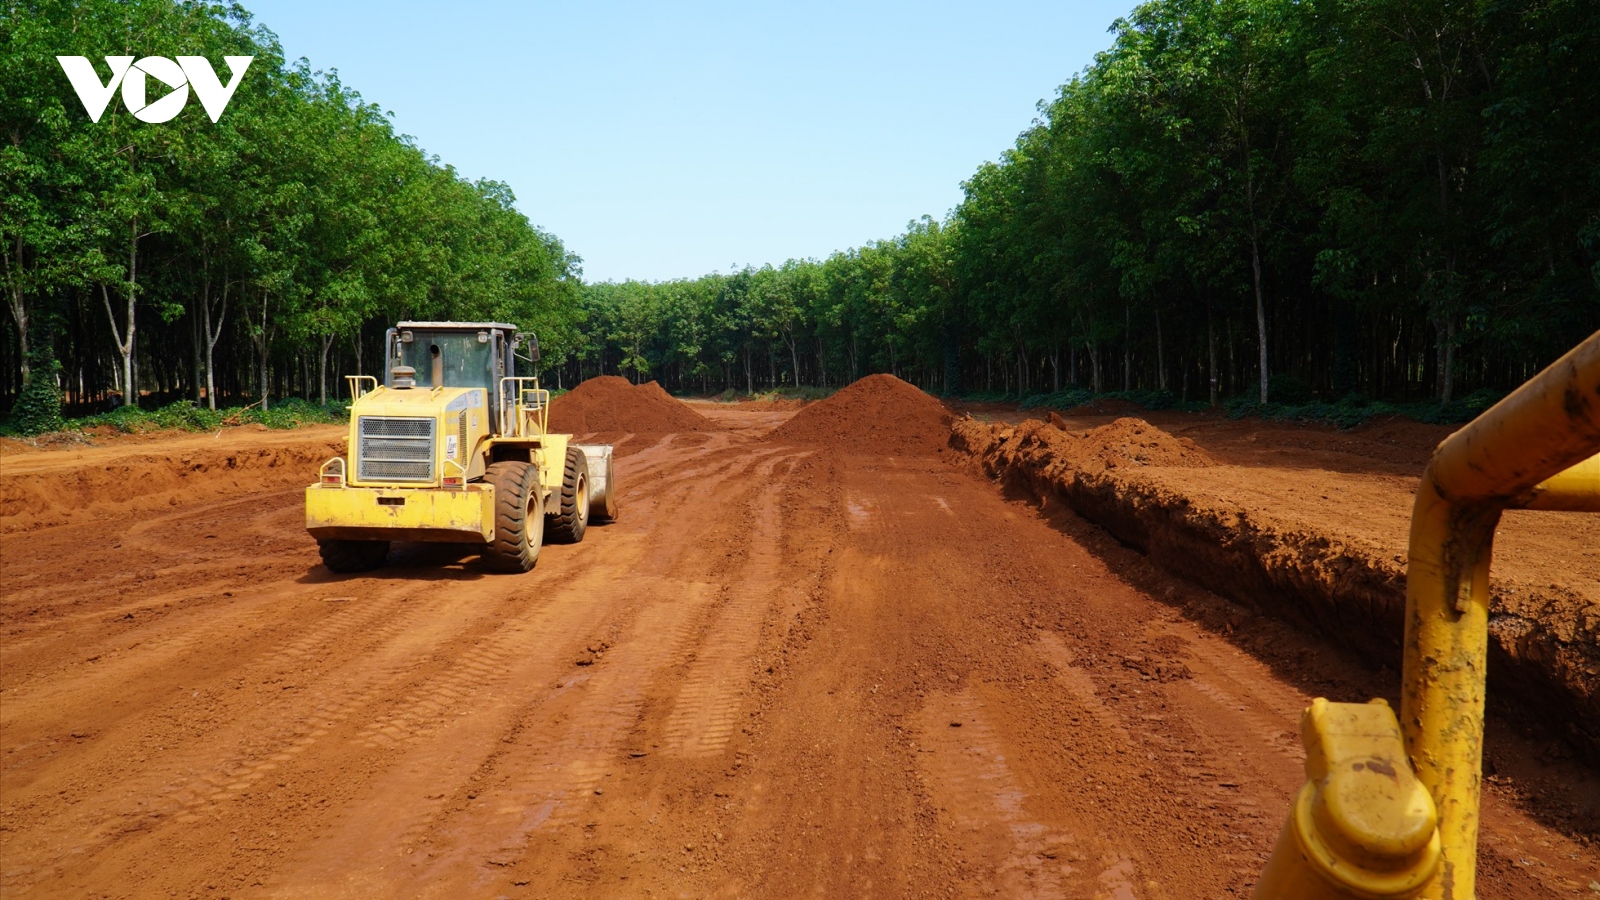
1346	412
787	392
187	416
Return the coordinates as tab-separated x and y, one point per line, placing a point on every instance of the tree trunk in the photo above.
19	310
1161	356
1211	352
212	336
1127	346
123	374
266	386
1261	310
322	375
1446	357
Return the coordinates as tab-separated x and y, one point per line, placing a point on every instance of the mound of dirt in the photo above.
1127	443
1135	442
879	415
612	403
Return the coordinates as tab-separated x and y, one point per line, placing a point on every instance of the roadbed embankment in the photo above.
72	484
1166	497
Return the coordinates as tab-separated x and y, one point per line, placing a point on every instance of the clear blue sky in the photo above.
670	140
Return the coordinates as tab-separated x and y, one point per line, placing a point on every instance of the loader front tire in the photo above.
569	523
353	556
518	517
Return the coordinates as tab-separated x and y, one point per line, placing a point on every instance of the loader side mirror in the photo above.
532	340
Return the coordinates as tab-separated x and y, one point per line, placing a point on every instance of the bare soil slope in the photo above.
1321	549
83	482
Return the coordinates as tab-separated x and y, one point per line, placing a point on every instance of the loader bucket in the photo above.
602	483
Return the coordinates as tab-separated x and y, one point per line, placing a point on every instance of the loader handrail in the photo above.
1501	460
1539	448
356	383
528	414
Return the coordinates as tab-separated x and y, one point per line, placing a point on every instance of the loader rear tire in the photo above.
569	523
518	517
353	556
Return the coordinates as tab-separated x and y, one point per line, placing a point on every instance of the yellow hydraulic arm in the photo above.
1390	807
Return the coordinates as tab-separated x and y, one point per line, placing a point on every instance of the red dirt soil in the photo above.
879	415
611	403
787	671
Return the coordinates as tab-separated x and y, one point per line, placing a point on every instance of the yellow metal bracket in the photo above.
1539	448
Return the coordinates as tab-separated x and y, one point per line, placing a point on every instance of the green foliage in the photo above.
38	410
1058	399
1291	389
785	392
1142	398
294	227
187	416
1354	410
1375	197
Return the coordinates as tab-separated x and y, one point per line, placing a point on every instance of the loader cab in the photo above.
452	354
427	355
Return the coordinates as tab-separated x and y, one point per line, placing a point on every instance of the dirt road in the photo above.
784	672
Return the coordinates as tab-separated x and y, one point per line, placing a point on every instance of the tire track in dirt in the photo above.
203	782
182	646
705	712
152	538
987	805
549	778
197	796
469	813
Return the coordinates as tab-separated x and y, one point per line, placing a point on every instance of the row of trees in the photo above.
1395	198
1392	198
256	256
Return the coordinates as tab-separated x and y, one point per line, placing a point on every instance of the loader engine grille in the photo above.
395	449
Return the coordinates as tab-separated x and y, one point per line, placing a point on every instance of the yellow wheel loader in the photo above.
454	447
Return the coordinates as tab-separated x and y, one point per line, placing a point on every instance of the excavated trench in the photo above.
1543	654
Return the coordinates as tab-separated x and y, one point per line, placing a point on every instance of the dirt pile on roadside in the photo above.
612	403
1127	443
880	415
